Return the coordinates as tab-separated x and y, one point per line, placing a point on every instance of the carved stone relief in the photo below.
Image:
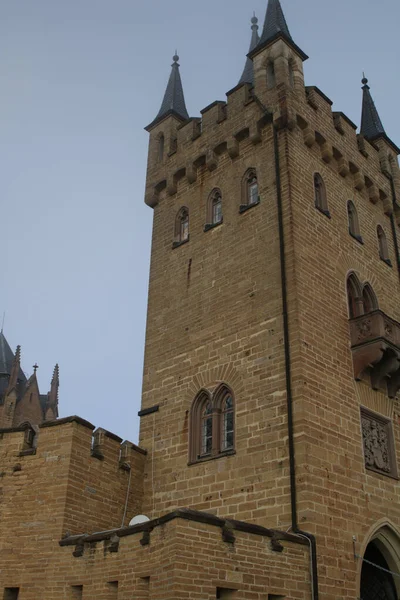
378	443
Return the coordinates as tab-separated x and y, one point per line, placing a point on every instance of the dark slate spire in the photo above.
371	125
275	22
275	26
248	72
7	358
174	100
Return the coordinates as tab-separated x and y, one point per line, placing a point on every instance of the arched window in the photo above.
271	81
383	245
212	424
250	190
207	429
354	227
161	145
228	430
214	210
370	302
321	201
354	296
182	227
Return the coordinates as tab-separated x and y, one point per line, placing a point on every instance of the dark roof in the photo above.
275	27
7	359
275	22
371	125
248	72
174	100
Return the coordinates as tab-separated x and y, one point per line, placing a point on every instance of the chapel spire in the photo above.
371	124
174	100
248	72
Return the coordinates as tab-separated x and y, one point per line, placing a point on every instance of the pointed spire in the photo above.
275	22
55	383
174	100
7	358
371	125
15	369
275	26
248	72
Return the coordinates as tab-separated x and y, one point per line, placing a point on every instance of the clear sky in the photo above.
79	81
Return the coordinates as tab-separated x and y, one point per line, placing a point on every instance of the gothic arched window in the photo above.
354	226
214	209
370	301
354	296
182	226
212	424
250	190
320	198
383	245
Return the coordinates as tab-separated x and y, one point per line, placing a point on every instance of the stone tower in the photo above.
272	359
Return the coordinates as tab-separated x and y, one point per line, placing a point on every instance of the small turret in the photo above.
275	27
371	124
174	100
248	72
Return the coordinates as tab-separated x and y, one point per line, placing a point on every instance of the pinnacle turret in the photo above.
248	72
275	26
174	100
371	124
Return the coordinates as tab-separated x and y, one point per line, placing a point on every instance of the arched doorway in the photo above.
376	584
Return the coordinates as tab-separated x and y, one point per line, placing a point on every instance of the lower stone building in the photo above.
267	465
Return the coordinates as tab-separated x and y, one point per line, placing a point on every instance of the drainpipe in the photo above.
393	224
293	492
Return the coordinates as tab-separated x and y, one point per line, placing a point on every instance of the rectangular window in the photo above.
76	592
112	587
11	593
143	586
225	593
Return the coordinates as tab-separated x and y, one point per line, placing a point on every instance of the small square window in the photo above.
225	593
76	592
378	442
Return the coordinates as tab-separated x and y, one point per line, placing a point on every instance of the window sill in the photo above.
179	244
387	261
244	207
209	226
209	457
324	211
357	237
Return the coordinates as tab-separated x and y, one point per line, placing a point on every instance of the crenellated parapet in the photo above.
102	476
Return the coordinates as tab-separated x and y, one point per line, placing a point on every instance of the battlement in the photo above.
201	143
89	477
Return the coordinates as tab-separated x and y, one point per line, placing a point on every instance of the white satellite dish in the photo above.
138	519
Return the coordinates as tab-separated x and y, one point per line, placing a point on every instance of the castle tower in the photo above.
272	360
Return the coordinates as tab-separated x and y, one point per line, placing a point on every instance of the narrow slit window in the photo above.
181	226
270	75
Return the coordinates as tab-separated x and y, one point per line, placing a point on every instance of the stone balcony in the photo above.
375	345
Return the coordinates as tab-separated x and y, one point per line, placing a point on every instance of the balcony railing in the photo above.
375	344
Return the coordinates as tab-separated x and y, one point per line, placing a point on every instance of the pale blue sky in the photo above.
79	81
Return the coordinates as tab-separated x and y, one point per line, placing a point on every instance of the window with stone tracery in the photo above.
212	424
181	227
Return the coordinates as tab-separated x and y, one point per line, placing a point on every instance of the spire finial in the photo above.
174	100
248	72
371	124
35	368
